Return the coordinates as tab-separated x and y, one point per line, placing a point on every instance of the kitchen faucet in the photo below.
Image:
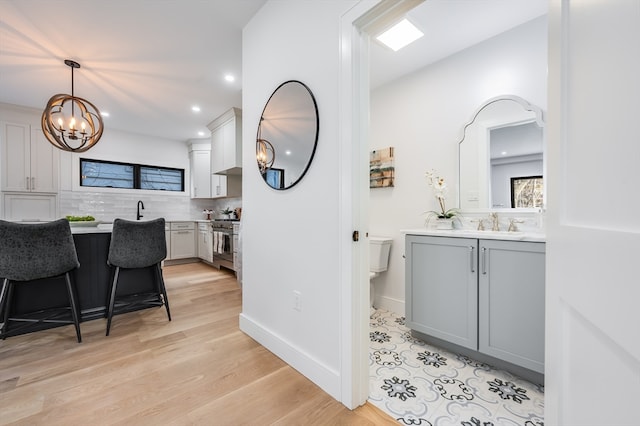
140	206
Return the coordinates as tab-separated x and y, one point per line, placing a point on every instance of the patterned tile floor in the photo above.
420	384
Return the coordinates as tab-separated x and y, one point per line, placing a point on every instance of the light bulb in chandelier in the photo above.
265	154
71	123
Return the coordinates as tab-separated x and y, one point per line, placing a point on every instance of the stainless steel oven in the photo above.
222	243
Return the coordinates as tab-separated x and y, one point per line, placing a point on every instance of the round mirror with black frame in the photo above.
287	135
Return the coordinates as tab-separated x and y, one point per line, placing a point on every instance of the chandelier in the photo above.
71	123
265	154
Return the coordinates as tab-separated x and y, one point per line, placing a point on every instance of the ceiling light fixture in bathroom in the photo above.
400	35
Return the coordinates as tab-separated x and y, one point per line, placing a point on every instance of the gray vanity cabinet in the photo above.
511	302
442	291
480	294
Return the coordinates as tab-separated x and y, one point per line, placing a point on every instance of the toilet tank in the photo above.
379	253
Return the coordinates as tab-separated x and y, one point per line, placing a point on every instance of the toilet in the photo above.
378	260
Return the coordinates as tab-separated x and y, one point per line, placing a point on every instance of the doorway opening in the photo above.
387	211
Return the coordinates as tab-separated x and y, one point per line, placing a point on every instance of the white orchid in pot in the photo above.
444	216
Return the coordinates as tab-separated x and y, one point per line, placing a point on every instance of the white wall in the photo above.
290	238
422	116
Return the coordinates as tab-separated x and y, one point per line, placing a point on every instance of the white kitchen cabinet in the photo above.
29	162
226	186
226	143
167	237
29	206
484	295
511	302
237	261
200	161
205	242
183	240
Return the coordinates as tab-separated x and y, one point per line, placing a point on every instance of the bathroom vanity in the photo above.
480	294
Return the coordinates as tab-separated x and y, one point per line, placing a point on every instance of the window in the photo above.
109	174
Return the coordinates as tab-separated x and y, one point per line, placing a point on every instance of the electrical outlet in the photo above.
297	301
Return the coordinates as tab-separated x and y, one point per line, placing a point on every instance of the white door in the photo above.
592	374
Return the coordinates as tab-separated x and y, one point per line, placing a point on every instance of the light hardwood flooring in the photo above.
197	369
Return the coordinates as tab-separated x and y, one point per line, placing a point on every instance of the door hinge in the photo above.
356	236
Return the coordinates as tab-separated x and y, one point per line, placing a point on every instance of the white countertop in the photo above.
107	227
103	228
472	233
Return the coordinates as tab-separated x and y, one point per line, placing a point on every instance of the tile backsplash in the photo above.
106	206
527	221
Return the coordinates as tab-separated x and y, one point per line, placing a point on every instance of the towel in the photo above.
221	239
215	241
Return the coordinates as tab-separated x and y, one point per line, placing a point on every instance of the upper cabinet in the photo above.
226	143
200	162
226	186
29	161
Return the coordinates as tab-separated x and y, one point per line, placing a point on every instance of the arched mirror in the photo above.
287	135
501	156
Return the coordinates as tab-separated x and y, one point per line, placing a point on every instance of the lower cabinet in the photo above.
205	243
167	237
484	295
183	240
511	302
442	288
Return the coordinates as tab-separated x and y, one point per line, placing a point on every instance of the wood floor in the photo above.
197	369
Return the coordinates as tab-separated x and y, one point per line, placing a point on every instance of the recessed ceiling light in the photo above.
104	113
229	78
200	133
287	152
400	35
503	153
195	108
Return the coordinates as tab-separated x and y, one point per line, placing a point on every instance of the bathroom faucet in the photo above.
512	225
495	227
140	206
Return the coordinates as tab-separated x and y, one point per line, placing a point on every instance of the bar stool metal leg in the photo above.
4	306
74	305
112	299
162	289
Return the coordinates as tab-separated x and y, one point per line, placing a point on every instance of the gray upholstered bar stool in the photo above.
33	251
134	245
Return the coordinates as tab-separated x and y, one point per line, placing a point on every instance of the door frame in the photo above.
366	17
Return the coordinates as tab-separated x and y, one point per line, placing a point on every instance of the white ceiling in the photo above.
148	62
449	27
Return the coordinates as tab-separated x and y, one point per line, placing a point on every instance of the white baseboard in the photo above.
328	379
390	304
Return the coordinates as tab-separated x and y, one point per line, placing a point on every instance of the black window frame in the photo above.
136	175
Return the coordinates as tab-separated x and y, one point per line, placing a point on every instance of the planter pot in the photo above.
444	223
